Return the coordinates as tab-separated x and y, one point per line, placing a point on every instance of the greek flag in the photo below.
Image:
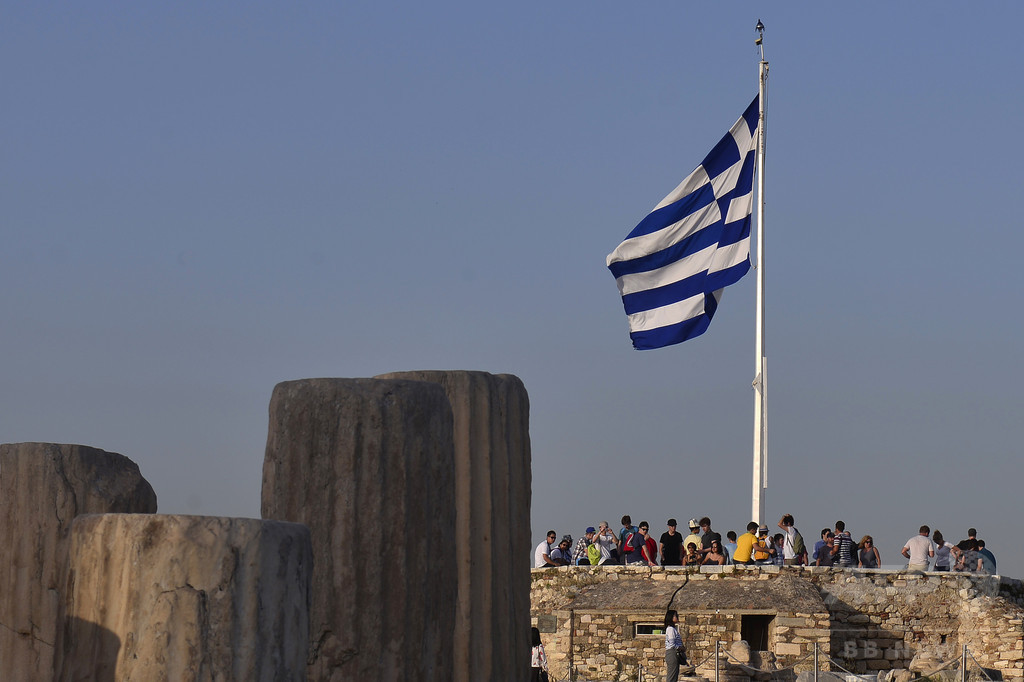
672	267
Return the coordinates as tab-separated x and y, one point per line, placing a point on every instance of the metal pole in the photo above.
963	665
815	662
572	643
717	643
760	361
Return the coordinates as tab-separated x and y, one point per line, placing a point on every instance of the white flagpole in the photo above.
760	360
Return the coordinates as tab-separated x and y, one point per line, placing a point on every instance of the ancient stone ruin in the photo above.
367	465
356	573
156	596
43	487
492	472
406	469
770	622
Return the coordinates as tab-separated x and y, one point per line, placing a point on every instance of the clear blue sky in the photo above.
200	201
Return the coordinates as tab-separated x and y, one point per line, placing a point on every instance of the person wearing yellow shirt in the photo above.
745	545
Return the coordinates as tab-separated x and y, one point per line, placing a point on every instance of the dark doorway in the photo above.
754	629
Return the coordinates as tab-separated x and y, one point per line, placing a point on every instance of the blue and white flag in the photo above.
672	267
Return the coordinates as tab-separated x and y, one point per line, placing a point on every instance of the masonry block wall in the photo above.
868	621
881	619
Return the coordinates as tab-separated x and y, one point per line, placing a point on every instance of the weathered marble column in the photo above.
367	464
186	599
492	513
43	487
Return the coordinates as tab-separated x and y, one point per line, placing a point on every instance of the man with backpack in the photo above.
764	551
628	554
794	551
634	545
844	550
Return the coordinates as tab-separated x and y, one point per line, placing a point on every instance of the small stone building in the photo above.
606	623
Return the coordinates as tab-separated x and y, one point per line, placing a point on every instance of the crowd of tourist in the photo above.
757	546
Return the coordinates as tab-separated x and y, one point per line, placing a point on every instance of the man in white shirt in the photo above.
918	549
609	544
542	555
790	555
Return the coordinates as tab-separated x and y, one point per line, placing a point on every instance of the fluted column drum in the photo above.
492	513
43	487
368	465
186	599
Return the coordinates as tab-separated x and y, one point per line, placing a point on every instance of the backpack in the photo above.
841	541
798	543
594	554
634	541
761	550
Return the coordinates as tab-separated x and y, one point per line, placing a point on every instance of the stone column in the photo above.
492	521
43	487
186	599
367	464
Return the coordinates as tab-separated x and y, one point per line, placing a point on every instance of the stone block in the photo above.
186	598
43	487
739	652
491	421
901	675
368	466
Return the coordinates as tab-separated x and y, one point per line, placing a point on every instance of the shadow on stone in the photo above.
97	648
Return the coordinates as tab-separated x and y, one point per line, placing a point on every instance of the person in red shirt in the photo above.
649	550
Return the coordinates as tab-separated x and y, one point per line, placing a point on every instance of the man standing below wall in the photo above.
918	549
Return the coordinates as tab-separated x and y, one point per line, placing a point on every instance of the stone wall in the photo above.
882	619
867	621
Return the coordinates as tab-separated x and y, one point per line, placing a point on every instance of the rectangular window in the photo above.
649	629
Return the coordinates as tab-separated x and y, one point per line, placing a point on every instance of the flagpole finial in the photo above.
760	37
